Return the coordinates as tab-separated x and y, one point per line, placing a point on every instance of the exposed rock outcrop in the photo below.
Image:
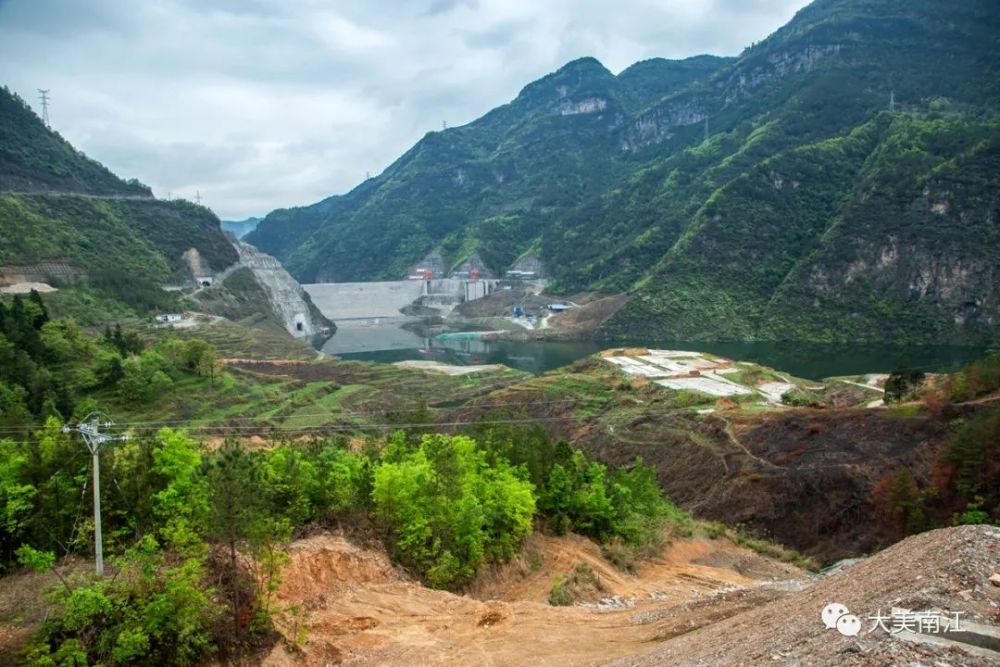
289	302
258	284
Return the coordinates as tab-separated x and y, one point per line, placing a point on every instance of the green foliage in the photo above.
575	493
976	379
772	550
901	383
39	561
799	397
623	556
153	612
629	505
974	447
447	512
906	501
46	366
581	582
33	158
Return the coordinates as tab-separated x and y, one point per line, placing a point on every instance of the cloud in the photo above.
260	104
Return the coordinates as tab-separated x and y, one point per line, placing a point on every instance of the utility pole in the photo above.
44	94
90	429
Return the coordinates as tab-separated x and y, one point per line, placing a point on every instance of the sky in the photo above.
262	104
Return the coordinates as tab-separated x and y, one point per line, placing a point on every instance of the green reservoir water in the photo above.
813	361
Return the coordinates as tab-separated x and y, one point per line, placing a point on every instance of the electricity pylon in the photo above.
90	429
44	95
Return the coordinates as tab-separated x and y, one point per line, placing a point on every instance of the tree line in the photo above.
196	537
52	368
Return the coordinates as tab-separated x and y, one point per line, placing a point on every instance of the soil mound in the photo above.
947	570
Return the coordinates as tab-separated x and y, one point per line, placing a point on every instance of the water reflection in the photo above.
388	344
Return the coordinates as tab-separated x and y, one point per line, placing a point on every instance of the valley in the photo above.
694	363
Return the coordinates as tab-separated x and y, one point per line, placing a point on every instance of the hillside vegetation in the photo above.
846	188
67	220
36	159
197	535
448	474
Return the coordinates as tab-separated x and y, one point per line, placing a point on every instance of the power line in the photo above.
196	423
90	429
44	95
222	429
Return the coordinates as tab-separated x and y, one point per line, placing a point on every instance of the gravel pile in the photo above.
947	570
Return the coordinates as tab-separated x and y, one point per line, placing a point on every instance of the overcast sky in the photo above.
260	104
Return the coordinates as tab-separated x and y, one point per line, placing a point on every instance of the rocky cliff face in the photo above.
257	284
288	301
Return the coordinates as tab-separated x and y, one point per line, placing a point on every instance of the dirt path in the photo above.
736	442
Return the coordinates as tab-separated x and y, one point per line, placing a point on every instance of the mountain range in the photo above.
835	181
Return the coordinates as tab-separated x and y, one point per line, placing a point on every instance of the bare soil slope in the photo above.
358	610
947	569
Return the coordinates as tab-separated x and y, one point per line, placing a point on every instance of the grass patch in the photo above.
716	529
907	411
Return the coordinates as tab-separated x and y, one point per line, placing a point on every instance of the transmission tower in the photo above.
44	95
197	196
444	125
892	100
706	128
90	429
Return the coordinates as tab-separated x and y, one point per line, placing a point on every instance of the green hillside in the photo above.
884	233
101	237
846	189
33	158
506	175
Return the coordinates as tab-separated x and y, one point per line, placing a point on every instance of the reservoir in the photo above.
370	327
388	343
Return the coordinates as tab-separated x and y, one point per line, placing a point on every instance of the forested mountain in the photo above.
837	180
489	186
65	218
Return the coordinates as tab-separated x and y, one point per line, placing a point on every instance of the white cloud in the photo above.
268	103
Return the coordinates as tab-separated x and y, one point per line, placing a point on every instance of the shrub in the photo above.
559	595
621	555
579	584
447	512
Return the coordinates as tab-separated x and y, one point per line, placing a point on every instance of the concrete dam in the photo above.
346	302
368	316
